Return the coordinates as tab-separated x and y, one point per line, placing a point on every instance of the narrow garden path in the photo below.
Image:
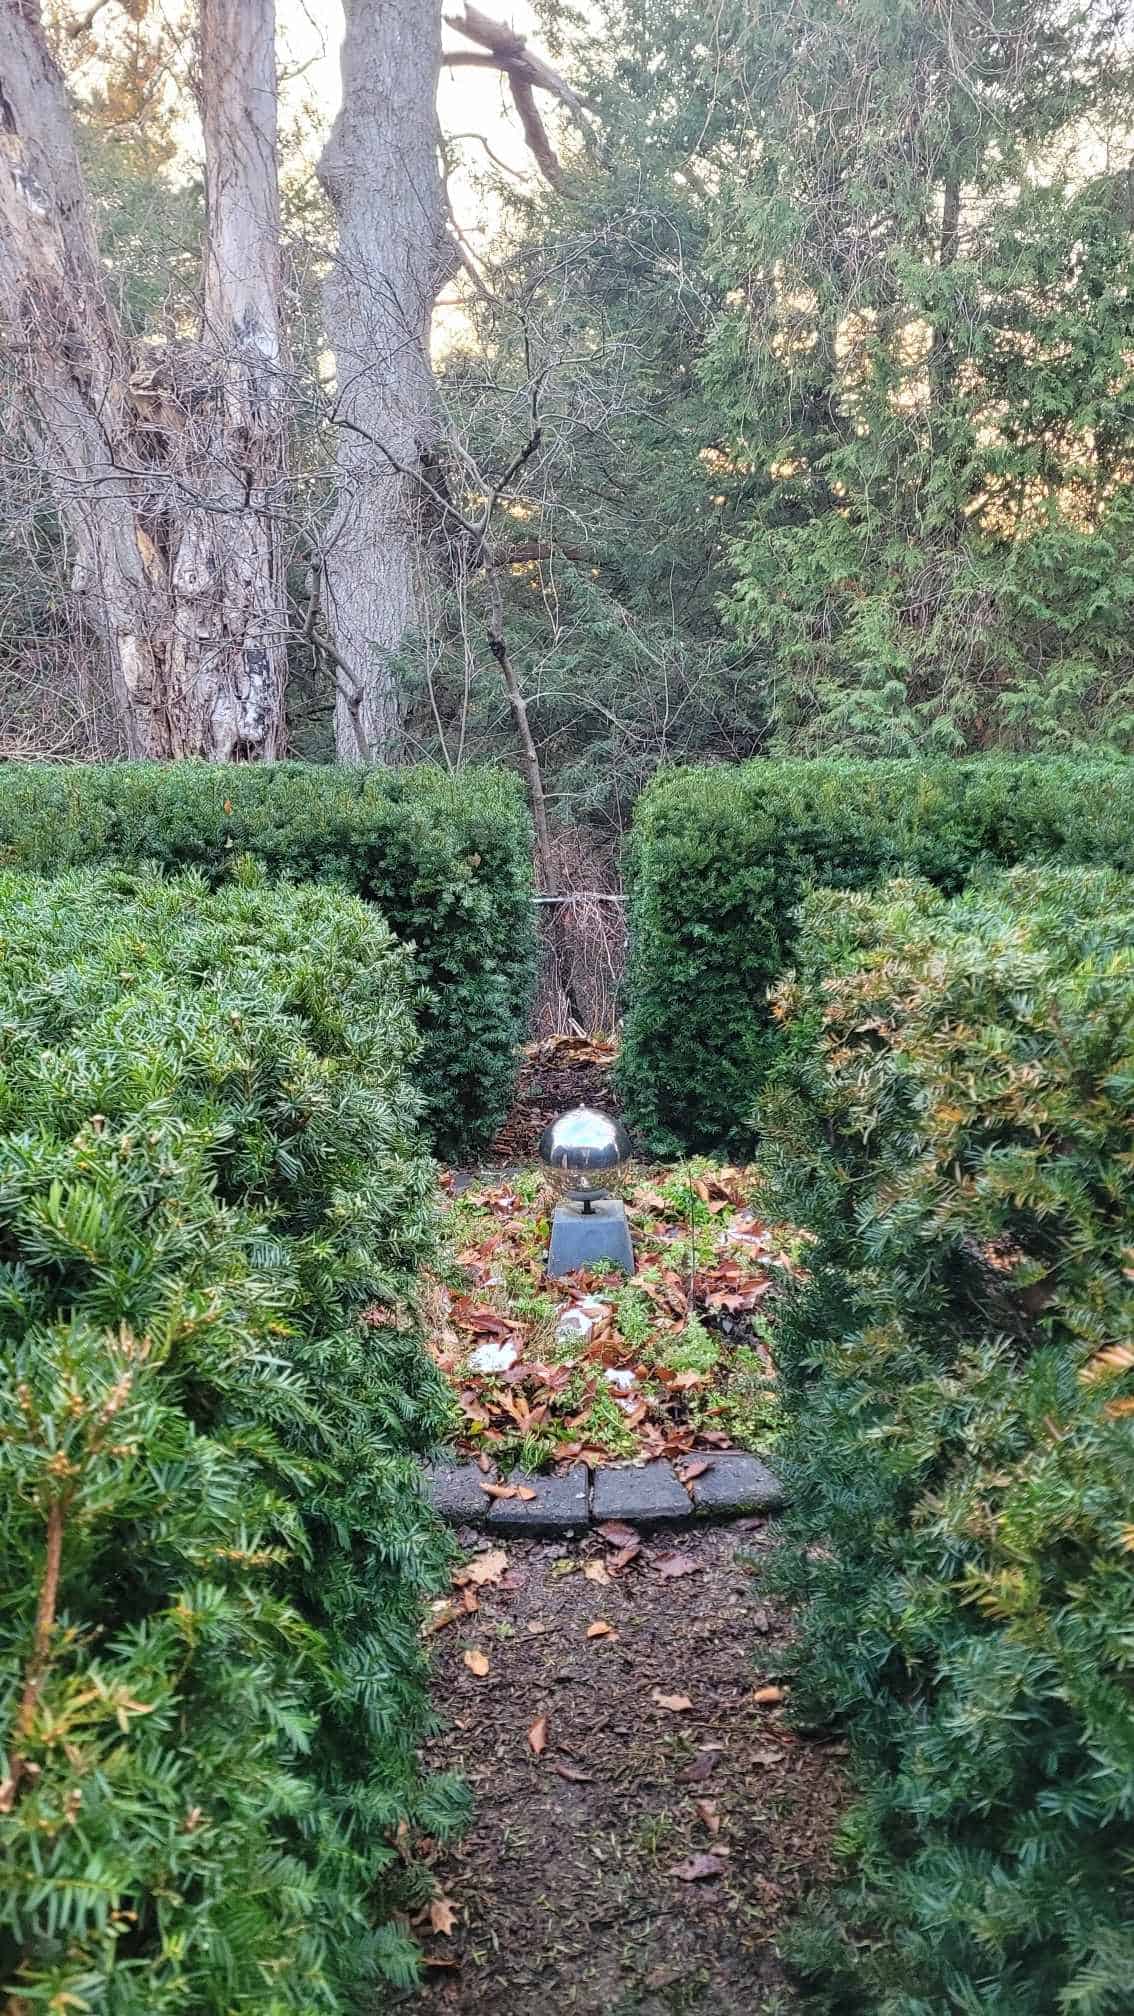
645	1820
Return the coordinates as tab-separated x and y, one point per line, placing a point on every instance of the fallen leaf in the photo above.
691	1470
702	1767
768	1694
523	1492
573	1774
595	1571
767	1756
676	1703
601	1630
477	1662
483	1568
536	1626
503	1491
616	1534
537	1736
625	1555
440	1615
707	1812
442	1915
699	1868
674	1564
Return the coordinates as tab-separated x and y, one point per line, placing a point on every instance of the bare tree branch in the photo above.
503	49
87	20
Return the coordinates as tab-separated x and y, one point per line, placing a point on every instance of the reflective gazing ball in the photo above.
585	1149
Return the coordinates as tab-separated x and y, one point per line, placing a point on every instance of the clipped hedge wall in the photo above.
952	1118
447	859
718	864
212	1197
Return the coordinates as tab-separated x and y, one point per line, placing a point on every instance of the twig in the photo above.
87	20
581	896
41	1651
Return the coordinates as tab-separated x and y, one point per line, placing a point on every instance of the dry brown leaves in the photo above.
517	1392
699	1868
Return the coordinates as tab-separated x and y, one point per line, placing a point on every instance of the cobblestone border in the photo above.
733	1485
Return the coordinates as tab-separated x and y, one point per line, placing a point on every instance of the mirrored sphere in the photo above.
584	1144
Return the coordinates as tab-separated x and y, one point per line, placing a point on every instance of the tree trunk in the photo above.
229	578
160	475
380	173
72	364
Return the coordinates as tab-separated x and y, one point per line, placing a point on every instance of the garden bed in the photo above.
601	1369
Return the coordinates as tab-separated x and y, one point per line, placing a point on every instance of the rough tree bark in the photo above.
230	567
161	473
380	172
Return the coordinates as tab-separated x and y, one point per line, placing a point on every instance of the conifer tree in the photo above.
925	360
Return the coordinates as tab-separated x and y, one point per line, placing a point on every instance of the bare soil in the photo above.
582	1886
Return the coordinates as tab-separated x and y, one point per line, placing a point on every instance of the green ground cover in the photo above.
603	1368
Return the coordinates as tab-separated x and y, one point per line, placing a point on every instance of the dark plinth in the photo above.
735	1484
559	1505
593	1238
646	1498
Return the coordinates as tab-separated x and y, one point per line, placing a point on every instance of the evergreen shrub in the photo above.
718	864
447	859
213	1195
952	1120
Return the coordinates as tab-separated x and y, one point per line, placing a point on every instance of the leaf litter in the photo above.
676	1363
615	1841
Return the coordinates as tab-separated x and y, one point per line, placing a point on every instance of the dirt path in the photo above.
582	1885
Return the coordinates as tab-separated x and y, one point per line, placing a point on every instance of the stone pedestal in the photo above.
591	1237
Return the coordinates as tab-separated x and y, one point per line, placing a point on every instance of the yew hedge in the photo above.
951	1117
720	860
213	1198
447	860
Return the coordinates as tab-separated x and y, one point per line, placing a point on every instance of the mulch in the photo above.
583	1884
556	1073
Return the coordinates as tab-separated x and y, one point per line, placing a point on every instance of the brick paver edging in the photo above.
651	1496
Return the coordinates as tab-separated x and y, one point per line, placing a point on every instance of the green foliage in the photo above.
952	1118
924	368
446	859
720	859
606	291
692	1349
834	333
213	1197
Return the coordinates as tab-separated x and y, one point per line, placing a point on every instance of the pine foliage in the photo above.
926	362
952	1119
447	859
213	1195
